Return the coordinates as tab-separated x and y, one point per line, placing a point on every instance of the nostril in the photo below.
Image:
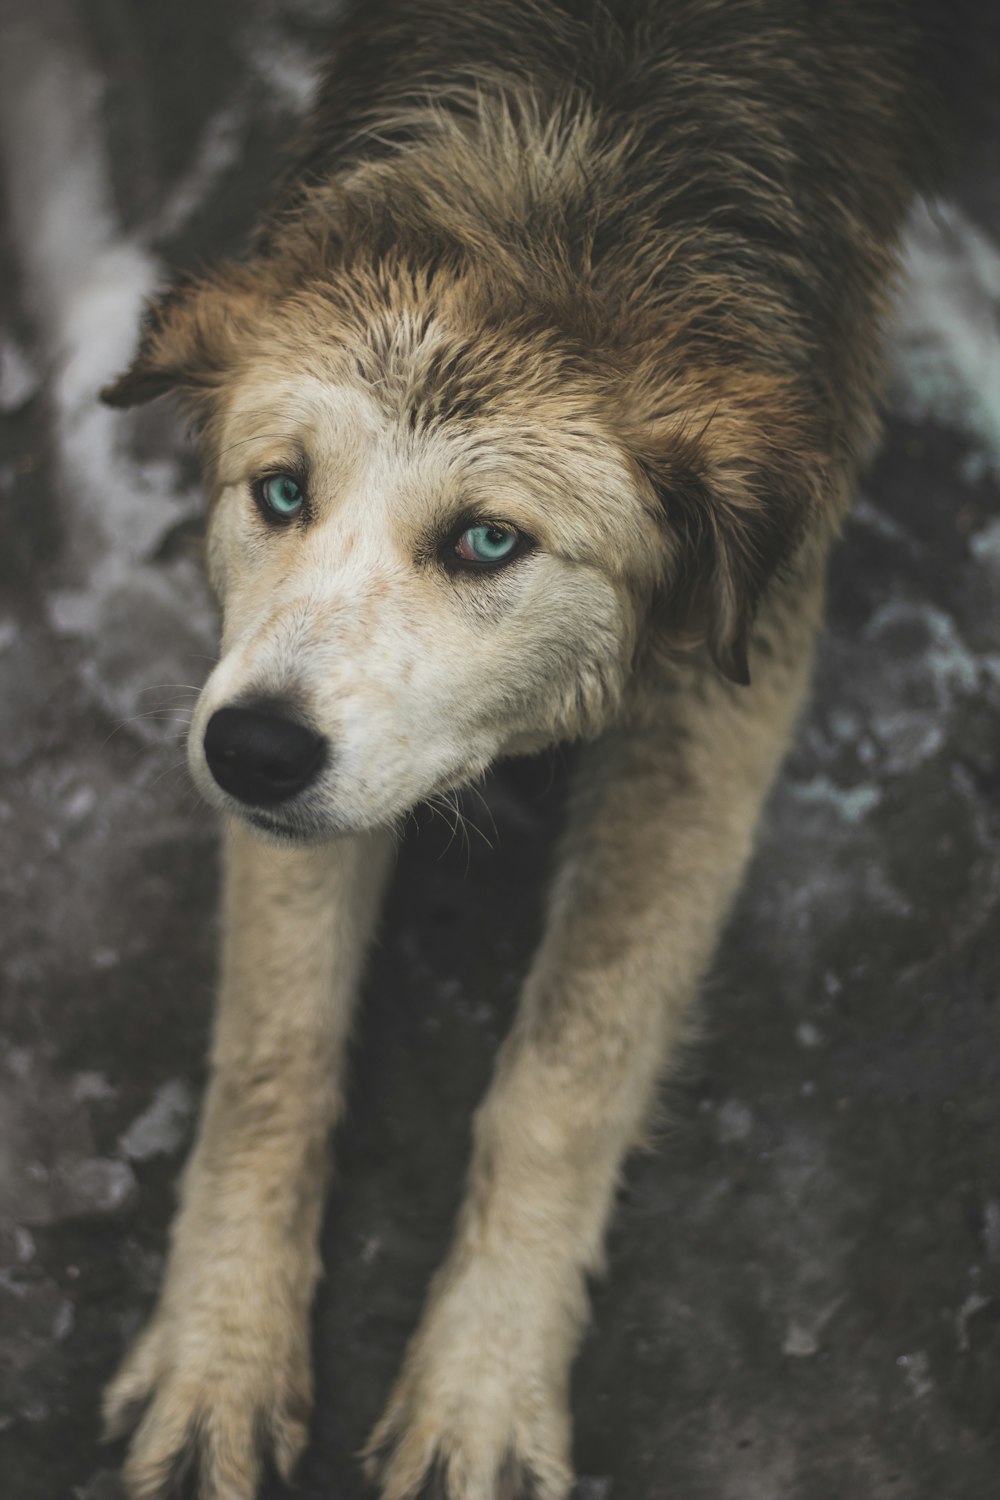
260	755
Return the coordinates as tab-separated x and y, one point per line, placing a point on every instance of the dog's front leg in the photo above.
660	831
220	1377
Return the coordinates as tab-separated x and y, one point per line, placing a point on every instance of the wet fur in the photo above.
623	268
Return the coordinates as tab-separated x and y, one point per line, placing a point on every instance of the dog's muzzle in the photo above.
261	756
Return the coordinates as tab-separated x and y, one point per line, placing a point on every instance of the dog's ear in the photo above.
729	538
191	338
736	485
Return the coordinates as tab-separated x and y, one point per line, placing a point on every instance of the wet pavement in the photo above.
803	1299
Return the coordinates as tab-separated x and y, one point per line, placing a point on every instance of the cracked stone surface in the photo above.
803	1298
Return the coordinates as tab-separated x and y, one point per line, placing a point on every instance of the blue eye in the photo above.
486	544
282	495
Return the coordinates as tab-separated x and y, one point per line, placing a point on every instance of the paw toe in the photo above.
128	1393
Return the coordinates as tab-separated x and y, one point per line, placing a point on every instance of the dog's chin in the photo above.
294	829
283	829
285	832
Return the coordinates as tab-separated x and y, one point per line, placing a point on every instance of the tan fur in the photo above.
225	1359
645	334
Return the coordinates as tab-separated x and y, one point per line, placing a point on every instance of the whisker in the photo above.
167	715
176	766
489	813
462	821
439	806
448	801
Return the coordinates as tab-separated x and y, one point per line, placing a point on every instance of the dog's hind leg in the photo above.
220	1377
660	830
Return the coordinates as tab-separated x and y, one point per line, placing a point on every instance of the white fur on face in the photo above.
417	677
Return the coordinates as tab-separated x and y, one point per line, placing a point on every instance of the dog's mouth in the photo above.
289	828
277	828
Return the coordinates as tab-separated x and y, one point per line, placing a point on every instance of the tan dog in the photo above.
529	419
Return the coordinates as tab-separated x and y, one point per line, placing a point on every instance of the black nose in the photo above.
261	756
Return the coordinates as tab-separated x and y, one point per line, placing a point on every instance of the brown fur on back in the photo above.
689	208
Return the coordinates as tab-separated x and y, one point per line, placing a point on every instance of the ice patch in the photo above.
991	1231
734	1122
95	1185
985	546
907	738
593	1487
851	803
24	1244
974	1303
161	1128
86	287
947	658
974	467
932	668
801	1340
62	1323
807	1035
18	376
91	1085
916	1367
86	284
79	803
49	1169
221	146
945	351
864	512
290	72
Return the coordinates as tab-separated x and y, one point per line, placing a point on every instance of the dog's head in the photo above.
440	529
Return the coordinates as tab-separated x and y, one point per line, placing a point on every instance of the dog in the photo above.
529	418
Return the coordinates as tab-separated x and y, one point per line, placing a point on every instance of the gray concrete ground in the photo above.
803	1299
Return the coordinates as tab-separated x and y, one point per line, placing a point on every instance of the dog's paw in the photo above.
212	1398
485	1443
478	1409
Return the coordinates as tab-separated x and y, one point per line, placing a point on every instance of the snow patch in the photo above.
734	1122
220	147
985	546
18	377
86	283
93	1185
801	1339
944	350
161	1128
946	656
62	1323
807	1035
852	803
991	1230
974	1303
932	670
916	1368
91	1085
593	1487
290	72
